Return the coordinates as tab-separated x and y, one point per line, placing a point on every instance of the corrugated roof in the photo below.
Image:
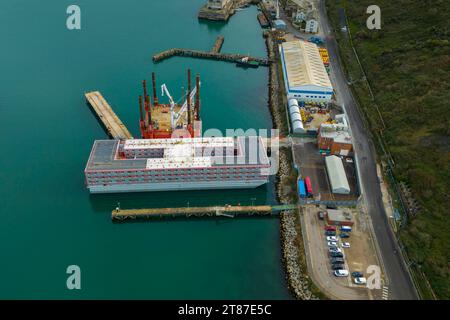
336	174
303	64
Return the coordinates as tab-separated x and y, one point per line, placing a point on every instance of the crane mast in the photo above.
172	105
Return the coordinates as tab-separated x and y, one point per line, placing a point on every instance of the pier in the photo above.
218	44
214	54
114	126
212	211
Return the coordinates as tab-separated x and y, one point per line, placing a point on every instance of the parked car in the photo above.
330	233
320	215
330	228
337	260
332	238
336	254
341	273
357	274
334	249
360	280
337	267
332	244
344	235
345	245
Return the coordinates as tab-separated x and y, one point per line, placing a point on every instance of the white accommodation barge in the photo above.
176	164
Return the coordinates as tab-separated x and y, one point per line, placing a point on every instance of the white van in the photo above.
341	273
360	280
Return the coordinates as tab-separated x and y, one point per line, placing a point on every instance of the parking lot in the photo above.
312	164
358	257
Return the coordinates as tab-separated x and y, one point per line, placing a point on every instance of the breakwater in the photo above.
228	57
293	253
276	86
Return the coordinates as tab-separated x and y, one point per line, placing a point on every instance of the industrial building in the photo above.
336	175
306	14
218	4
334	138
338	218
305	76
312	25
219	10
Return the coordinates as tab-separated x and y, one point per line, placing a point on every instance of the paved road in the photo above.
400	284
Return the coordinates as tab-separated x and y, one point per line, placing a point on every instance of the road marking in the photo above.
385	293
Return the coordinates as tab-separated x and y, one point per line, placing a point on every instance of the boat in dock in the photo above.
263	20
247	63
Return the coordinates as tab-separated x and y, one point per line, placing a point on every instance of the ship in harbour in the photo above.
247	63
162	121
177	164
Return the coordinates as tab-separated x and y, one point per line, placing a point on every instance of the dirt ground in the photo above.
361	253
358	257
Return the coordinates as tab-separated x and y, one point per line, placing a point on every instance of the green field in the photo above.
407	67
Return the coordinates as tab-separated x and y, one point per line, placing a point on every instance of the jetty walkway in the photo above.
211	211
214	54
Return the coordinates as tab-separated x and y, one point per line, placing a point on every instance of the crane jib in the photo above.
175	116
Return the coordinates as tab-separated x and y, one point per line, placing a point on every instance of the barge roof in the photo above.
178	153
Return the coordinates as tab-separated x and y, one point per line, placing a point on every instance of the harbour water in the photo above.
48	219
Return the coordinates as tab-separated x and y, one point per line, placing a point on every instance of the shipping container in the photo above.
301	188
308	185
346	229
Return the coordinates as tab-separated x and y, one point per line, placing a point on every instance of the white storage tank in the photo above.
296	118
294	109
297	126
293	102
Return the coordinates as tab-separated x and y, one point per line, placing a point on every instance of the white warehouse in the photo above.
305	76
336	175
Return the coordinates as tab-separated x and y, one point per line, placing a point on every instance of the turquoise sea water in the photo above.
49	220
